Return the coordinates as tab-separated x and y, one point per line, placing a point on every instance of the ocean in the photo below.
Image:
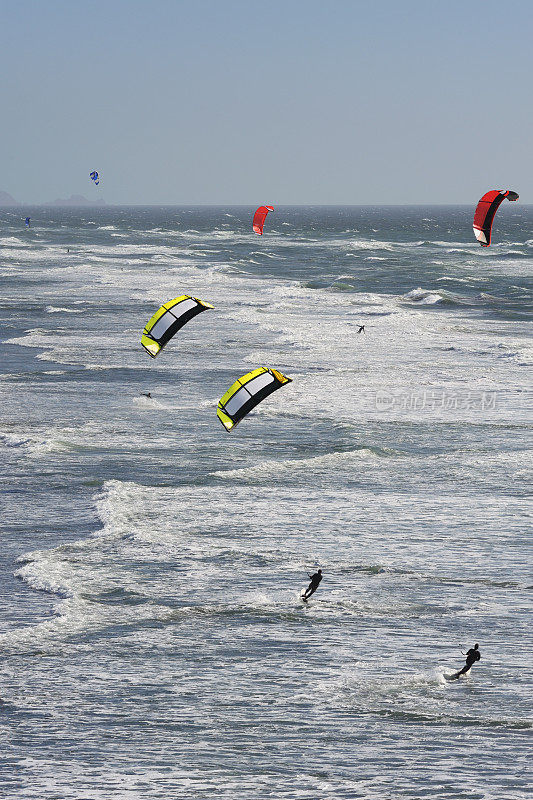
152	637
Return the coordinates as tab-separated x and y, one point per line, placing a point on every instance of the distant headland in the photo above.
7	200
74	200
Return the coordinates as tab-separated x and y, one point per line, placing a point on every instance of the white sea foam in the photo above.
8	241
59	310
423	296
12	440
324	463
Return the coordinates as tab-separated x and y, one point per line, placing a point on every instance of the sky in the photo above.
231	102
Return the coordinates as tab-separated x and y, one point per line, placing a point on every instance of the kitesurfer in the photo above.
147	394
472	656
361	329
313	586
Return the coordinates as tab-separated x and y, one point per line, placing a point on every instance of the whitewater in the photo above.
153	642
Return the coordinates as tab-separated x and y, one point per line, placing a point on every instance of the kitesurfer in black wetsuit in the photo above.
361	329
313	586
472	656
146	394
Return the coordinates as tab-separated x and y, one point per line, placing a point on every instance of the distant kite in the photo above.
247	392
95	177
259	218
485	211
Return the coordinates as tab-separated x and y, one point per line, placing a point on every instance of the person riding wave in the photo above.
472	656
313	586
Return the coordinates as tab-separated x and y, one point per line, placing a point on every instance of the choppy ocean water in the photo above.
152	639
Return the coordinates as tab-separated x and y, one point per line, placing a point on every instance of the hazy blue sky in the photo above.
286	101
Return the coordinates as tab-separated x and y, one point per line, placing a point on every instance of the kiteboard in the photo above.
453	677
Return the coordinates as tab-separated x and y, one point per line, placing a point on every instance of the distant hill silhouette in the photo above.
75	200
7	200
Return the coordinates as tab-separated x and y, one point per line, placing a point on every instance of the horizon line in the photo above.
91	204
